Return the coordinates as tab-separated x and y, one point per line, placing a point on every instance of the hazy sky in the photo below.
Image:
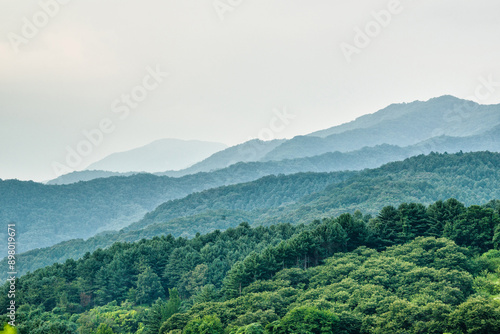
231	65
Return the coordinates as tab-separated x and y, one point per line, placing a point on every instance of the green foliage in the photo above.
149	287
8	329
207	325
475	228
476	316
255	328
120	319
409	288
104	329
307	320
161	311
349	274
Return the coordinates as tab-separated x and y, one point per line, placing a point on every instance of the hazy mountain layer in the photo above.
400	124
159	156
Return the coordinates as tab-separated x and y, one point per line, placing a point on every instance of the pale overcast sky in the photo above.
231	63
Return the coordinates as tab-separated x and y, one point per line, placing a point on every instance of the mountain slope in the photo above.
228	206
48	214
367	157
448	111
158	156
252	150
409	270
401	124
471	178
85	175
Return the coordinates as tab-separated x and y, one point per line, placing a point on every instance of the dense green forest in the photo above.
408	269
301	198
270	191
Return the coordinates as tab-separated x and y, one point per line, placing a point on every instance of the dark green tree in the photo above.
474	228
161	311
149	287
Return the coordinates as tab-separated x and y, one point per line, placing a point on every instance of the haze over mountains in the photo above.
158	156
398	124
446	113
418	127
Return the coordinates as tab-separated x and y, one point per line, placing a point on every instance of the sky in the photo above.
80	80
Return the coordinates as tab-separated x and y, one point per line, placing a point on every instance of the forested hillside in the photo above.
408	269
265	193
471	178
48	214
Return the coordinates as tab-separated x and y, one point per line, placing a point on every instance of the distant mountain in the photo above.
399	124
367	157
452	116
159	156
403	124
471	178
252	150
487	141
421	127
